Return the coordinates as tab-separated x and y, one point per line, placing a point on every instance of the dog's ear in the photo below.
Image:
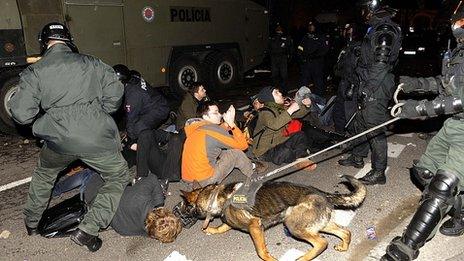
190	197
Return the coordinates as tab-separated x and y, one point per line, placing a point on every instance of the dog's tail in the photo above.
352	199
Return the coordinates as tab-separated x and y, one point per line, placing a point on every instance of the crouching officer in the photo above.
77	93
379	53
146	107
441	164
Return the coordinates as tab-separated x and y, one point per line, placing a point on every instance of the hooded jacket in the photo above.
272	119
203	145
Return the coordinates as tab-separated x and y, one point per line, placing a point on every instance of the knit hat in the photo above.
265	95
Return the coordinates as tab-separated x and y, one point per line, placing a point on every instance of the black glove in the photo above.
410	84
409	110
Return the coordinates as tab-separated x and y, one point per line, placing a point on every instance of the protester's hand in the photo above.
306	102
134	147
293	108
229	116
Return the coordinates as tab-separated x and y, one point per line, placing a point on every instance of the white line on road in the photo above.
15	184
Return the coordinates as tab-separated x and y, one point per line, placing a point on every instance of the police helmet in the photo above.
123	73
56	31
457	21
371	5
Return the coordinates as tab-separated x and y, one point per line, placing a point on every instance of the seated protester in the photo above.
250	117
146	107
269	142
188	107
140	211
212	150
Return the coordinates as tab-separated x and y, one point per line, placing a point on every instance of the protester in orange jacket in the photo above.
212	150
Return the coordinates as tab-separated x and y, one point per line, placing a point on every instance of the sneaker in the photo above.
306	165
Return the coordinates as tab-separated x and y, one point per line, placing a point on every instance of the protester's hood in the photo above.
189	129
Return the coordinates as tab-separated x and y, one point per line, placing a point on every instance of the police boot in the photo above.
31	231
422	175
438	197
93	243
374	177
455	225
352	160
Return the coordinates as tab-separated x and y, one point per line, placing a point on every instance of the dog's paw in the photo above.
206	232
340	248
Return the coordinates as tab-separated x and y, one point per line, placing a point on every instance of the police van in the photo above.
171	43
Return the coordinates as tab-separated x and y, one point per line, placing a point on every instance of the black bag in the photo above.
61	219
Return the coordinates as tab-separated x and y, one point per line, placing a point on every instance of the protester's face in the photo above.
278	97
311	28
213	115
201	92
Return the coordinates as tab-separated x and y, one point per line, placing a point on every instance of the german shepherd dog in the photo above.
306	211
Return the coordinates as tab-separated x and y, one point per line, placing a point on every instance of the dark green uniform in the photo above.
77	94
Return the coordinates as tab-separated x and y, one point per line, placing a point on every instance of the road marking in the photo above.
395	149
15	184
343	217
407	135
293	254
176	256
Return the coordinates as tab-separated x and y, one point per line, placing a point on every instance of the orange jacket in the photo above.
203	145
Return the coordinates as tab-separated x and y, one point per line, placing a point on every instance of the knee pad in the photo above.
444	185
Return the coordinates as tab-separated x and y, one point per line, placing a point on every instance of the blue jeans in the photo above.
69	183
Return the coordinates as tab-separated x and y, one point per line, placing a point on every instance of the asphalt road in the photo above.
387	208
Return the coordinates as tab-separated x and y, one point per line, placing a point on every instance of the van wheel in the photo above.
222	70
185	71
9	86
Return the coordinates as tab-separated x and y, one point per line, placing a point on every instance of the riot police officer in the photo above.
77	93
312	51
146	107
441	166
379	53
346	103
280	48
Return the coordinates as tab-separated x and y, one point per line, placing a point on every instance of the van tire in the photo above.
8	85
185	71
222	70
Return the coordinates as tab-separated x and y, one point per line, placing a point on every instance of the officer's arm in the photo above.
425	108
25	104
133	105
383	44
420	84
112	90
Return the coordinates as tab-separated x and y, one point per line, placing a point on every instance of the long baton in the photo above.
324	150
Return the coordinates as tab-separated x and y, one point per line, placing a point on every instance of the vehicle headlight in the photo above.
421	49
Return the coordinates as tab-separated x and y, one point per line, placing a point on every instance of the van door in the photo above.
98	28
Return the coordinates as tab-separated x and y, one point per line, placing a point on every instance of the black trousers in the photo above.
343	108
376	140
313	72
287	152
279	71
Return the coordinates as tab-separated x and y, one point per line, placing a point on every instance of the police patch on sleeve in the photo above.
148	14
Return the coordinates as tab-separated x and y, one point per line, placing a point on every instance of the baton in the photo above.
272	173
